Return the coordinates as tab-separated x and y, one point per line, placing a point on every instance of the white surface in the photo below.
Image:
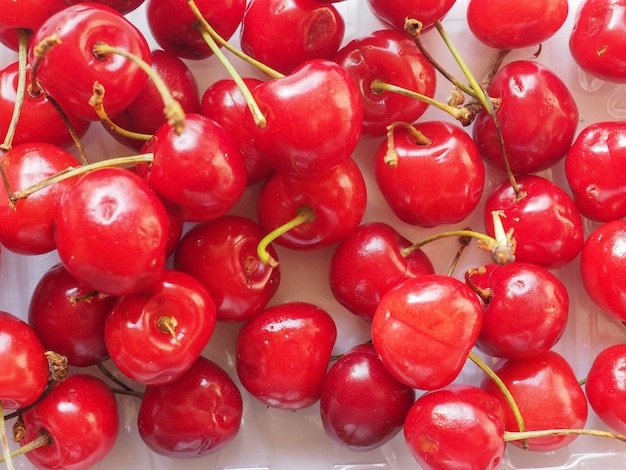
280	440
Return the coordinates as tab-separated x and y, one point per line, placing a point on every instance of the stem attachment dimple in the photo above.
167	325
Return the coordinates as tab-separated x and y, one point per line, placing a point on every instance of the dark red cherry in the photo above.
395	12
123	6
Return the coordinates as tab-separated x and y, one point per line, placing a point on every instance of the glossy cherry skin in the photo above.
26	13
200	174
546	223
593	168
23	362
244	284
29	228
123	6
606	379
526	310
513	24
268	27
548	395
459	426
424	328
174	26
44	123
395	12
282	354
602	267
434	183
81	416
111	231
338	199
223	102
545	134
196	415
155	335
362	406
292	141
597	37
391	56
69	318
80	28
368	262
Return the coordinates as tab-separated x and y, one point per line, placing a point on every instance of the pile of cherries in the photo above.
186	268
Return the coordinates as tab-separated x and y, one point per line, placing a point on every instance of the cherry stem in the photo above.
305	215
391	157
97	103
75	171
59	367
44	439
107	373
21	88
482	365
259	117
485	294
70	128
172	109
6	452
167	325
464	115
40	51
464	241
517	436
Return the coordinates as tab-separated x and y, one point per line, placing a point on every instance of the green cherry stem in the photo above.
305	215
44	439
21	88
517	436
391	156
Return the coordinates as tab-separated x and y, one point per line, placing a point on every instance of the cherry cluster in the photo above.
180	273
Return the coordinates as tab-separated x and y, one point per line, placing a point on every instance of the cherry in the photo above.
243	285
80	417
223	102
196	415
268	27
514	24
459	426
291	140
155	335
370	261
79	28
527	88
123	6
436	180
27	14
174	26
605	379
362	406
111	232
23	360
597	37
337	200
68	317
283	352
548	395
593	168
526	310
391	56
424	328
28	227
545	220
395	12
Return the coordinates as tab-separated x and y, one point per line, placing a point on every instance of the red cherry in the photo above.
544	136
244	284
283	352
23	360
368	262
29	228
123	6
546	222
111	232
459	426
196	415
513	24
434	183
395	12
68	317
174	26
27	14
548	395
362	406
593	168
268	26
597	38
605	379
292	141
81	416
424	329
73	60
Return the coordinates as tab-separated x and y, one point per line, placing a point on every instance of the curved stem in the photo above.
464	241
6	452
40	51
70	128
107	373
517	436
305	215
391	156
44	439
21	89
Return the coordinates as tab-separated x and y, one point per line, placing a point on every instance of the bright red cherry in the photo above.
28	14
123	6
431	183
282	354
395	12
424	329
